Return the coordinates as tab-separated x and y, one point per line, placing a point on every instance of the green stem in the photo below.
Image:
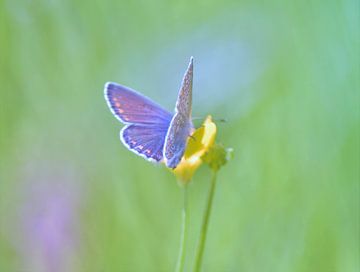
181	258
204	226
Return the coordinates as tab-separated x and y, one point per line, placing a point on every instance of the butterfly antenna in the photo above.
221	120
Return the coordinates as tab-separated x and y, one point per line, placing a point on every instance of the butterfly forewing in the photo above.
184	100
130	106
181	124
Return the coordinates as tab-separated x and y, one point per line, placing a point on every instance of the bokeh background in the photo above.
285	76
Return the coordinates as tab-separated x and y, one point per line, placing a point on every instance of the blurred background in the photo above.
285	76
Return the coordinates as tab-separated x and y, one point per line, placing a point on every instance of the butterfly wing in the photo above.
129	106
176	139
184	100
146	141
146	122
180	125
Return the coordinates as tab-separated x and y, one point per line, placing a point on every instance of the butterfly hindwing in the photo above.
176	139
145	140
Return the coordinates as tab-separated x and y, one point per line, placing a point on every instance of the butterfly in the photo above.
151	131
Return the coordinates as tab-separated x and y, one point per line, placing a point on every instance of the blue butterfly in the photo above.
151	131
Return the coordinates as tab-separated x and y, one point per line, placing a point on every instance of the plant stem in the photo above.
181	258
204	226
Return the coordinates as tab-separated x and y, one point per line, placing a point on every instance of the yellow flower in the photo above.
199	143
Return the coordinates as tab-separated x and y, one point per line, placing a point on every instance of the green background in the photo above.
285	76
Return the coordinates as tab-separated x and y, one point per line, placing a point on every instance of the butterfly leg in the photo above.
192	137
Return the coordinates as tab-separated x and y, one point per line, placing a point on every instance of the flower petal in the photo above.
199	143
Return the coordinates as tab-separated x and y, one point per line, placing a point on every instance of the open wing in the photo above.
146	122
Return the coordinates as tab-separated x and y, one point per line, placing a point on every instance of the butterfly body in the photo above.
151	131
